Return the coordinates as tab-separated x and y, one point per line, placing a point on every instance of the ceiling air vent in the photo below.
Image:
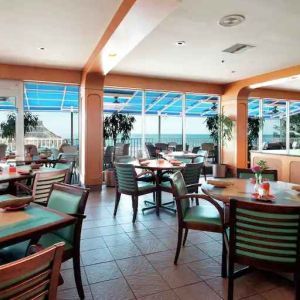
238	48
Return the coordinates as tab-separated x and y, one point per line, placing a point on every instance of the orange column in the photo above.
91	129
234	104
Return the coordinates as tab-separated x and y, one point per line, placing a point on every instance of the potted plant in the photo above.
116	126
8	128
254	125
220	128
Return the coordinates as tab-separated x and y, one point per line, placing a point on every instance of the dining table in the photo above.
281	193
180	155
158	166
24	172
30	223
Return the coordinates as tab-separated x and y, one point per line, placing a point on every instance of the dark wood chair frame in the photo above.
256	263
45	281
75	251
200	226
249	171
134	195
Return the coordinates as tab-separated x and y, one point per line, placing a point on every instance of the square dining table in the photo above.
30	223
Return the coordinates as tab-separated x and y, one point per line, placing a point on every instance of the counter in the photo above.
287	164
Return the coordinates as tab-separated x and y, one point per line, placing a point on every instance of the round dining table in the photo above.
242	189
158	166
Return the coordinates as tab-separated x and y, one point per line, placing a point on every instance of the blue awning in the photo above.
159	102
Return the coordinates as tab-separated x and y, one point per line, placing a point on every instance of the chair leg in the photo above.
135	207
77	274
224	259
179	243
297	285
185	236
230	281
117	201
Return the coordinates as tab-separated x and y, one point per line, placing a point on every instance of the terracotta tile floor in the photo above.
124	261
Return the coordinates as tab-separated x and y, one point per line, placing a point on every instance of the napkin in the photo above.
296	188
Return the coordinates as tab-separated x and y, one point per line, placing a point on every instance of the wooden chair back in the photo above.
32	277
265	236
43	182
247	174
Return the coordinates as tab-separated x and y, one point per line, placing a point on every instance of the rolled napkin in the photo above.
11	201
296	188
175	162
219	183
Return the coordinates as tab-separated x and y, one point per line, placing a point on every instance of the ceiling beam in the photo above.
132	22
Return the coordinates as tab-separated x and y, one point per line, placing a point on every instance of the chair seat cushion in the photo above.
50	239
14	252
202	214
146	178
166	184
142	186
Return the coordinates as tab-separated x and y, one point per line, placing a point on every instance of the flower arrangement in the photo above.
262	188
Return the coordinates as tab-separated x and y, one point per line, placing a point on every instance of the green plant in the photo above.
254	125
220	128
8	128
117	126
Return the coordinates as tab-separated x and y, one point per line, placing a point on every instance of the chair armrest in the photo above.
79	216
193	185
24	187
208	199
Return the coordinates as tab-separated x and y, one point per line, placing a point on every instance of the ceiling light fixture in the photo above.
41	48
180	43
232	20
112	54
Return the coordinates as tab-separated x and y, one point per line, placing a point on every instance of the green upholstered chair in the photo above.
33	277
127	183
203	217
264	236
67	199
66	165
42	183
247	174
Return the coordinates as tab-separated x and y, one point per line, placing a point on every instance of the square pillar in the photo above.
91	130
235	152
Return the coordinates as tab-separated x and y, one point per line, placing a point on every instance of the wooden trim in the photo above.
31	73
162	84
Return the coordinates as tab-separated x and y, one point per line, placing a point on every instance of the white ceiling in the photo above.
271	26
291	85
67	29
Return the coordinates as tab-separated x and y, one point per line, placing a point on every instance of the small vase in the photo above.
258	181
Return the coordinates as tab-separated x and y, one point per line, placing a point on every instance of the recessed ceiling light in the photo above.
180	43
112	54
231	20
41	48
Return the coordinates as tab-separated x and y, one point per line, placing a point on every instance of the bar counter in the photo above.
287	164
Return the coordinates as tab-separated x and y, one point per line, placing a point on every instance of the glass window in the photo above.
295	127
198	109
274	124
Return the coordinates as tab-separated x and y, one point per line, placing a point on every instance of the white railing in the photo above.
38	142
